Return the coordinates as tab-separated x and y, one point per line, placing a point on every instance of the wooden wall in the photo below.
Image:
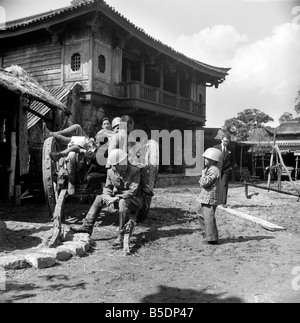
42	60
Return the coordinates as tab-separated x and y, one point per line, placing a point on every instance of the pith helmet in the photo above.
213	154
116	121
82	143
116	156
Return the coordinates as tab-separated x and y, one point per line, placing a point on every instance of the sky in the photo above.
258	39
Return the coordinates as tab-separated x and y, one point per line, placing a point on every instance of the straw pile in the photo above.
17	80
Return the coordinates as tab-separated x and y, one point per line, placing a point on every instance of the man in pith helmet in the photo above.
115	124
121	191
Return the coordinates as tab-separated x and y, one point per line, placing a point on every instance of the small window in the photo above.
75	62
101	63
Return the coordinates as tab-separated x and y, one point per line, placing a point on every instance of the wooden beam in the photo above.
38	114
271	189
264	224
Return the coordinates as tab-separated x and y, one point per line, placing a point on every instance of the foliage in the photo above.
286	116
258	134
247	120
297	103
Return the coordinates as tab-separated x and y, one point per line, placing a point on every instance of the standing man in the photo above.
226	165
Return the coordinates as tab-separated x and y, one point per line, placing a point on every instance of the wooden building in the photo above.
120	68
287	137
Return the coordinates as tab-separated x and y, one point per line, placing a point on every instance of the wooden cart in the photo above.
55	183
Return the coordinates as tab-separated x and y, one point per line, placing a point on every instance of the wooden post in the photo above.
279	177
282	163
270	169
246	190
17	194
128	80
241	162
296	168
271	161
142	71
161	77
13	158
2	233
252	160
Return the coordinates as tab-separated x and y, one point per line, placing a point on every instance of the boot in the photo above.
147	192
118	242
84	228
89	221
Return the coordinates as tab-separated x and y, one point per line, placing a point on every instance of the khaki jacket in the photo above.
127	186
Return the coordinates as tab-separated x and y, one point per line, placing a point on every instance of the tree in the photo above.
297	102
247	120
286	116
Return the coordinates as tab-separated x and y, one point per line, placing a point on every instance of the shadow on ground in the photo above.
17	292
177	295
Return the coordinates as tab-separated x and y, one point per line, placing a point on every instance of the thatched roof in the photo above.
15	79
286	128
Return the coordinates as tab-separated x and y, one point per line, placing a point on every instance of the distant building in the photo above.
287	137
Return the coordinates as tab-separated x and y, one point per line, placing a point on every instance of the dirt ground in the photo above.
169	261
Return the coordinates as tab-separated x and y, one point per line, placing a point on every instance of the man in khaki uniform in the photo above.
122	189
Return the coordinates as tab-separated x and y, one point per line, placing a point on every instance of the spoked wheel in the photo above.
50	170
55	195
152	163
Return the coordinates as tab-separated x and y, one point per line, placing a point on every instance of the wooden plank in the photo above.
272	189
27	60
23	137
31	50
264	224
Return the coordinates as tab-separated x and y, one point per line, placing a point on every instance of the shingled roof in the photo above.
286	128
79	8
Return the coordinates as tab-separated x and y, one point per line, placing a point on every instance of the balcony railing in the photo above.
137	90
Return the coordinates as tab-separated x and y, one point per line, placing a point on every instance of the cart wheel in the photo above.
152	163
50	171
56	237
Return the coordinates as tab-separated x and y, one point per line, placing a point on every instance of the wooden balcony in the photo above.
139	91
